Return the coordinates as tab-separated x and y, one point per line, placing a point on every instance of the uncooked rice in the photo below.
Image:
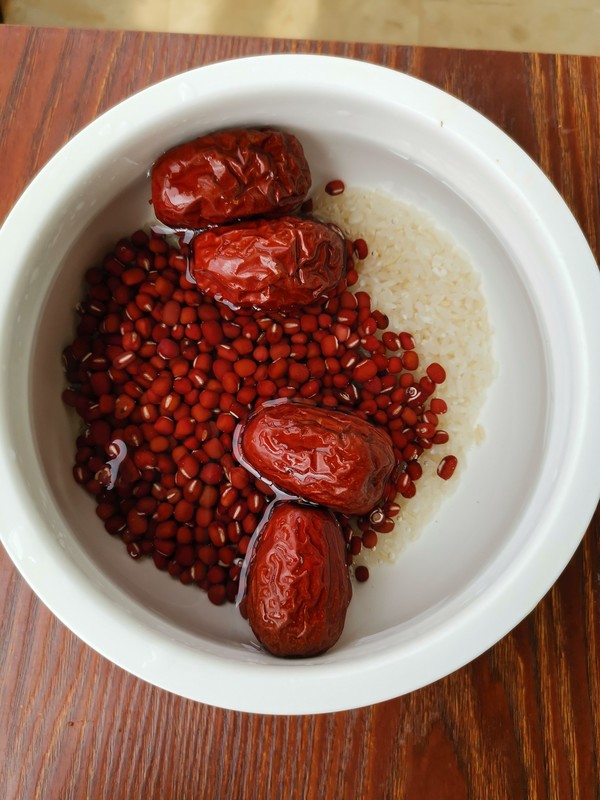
417	275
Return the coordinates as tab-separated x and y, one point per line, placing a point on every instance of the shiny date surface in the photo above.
269	264
229	175
327	457
298	582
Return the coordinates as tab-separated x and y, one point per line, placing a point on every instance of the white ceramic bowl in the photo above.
522	505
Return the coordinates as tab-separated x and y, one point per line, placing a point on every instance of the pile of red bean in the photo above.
161	375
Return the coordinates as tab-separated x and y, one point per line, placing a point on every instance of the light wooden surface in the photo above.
546	26
520	722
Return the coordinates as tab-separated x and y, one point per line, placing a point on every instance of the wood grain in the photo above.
520	722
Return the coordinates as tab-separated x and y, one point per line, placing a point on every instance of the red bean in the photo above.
407	341
391	341
171	312
369	540
330	345
309	389
229	496
216	594
341	332
335	187
349	360
266	388
347	317
132	276
436	372
209	399
425	430
385	526
189	466
410	360
227	353
240	477
211	474
364	370
164	426
274	332
438	406
360	248
212	332
406	486
446	467
392	509
124	405
298	372
183	511
414	470
214	449
167	348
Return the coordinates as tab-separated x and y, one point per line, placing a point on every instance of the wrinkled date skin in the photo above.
323	456
298	582
230	175
269	264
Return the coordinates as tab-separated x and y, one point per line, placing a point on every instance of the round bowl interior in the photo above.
525	496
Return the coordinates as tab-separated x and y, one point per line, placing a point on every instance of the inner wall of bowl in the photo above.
472	527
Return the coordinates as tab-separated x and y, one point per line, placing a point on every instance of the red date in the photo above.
327	457
230	175
270	265
298	582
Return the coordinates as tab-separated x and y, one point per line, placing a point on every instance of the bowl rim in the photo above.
274	688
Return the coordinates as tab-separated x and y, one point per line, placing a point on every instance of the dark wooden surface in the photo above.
520	722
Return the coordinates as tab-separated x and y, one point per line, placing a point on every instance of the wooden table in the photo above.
522	721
